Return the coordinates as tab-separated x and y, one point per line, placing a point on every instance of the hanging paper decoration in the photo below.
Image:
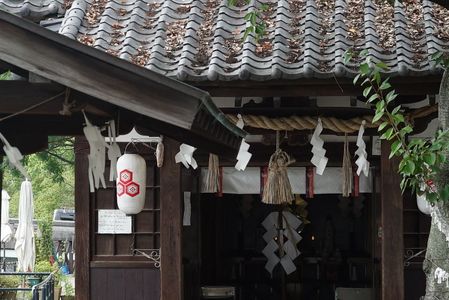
14	156
131	183
362	162
277	189
113	151
185	156
319	159
240	123
243	155
160	153
282	239
213	172
97	155
346	170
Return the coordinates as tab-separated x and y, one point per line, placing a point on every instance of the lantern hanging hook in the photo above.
134	142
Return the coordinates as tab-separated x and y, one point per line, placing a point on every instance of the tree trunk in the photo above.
437	255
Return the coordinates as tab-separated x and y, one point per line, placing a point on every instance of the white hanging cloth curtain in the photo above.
6	228
249	181
25	243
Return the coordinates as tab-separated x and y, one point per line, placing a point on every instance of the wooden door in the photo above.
106	265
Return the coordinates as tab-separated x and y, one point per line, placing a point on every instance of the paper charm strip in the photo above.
96	155
243	156
14	156
319	159
113	151
159	153
362	162
185	156
281	241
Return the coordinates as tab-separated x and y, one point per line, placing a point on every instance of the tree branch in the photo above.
60	157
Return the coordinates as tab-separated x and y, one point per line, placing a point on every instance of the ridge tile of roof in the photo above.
35	10
201	40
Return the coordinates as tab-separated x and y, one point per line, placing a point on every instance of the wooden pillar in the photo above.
392	263
82	220
171	224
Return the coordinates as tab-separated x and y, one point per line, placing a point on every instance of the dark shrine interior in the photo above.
336	248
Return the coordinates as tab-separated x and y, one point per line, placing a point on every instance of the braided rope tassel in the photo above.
277	189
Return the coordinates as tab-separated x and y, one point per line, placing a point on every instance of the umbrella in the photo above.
25	247
6	229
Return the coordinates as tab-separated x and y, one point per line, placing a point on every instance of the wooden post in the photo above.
392	265
171	224
82	220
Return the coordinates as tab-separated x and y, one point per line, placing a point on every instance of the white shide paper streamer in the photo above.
14	156
113	151
185	156
243	156
319	159
362	162
97	155
290	226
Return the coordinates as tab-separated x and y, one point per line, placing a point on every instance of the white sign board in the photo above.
113	221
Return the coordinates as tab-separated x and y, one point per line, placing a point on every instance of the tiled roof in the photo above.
35	9
200	40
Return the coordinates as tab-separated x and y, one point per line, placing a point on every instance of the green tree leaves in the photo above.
52	179
420	159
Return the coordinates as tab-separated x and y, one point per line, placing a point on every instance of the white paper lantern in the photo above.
131	182
423	204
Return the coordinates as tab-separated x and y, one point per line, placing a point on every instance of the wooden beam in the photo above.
5	67
301	153
16	95
337	112
82	220
171	224
175	106
392	249
56	125
314	87
95	73
27	143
